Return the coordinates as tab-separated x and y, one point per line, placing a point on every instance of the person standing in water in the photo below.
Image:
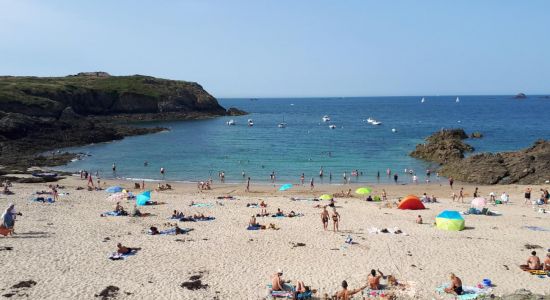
114	169
248	184
395	177
162	172
302	178
311	185
321	172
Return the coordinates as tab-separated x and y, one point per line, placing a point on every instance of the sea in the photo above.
200	149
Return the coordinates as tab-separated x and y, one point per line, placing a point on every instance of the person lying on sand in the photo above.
374	280
346	294
123	250
419	219
455	287
533	263
136	212
291	214
153	230
201	217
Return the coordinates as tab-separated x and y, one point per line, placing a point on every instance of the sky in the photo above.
289	48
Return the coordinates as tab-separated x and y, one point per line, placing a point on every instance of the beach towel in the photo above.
172	231
113	214
535	228
253	228
202	205
368	293
118	256
470	292
43	200
226	198
191	219
289	293
303	199
253	206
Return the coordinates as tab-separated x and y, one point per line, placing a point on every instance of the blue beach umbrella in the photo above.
114	189
141	199
285	187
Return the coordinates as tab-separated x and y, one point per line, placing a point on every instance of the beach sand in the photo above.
64	246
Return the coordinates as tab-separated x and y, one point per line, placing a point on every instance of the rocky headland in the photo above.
40	114
447	147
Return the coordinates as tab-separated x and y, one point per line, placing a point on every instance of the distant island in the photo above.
40	114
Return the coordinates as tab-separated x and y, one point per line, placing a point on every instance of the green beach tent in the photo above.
450	220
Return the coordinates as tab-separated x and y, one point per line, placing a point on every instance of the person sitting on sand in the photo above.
331	203
374	280
177	215
324	218
546	266
277	282
348	194
369	198
419	219
119	209
136	212
253	222
455	287
346	294
178	230
292	214
533	262
434	200
279	213
263	211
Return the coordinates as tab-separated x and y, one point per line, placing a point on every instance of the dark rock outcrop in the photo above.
232	111
528	166
476	135
520	96
38	114
443	146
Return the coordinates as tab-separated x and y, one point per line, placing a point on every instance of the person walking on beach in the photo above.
451	181
311	185
527	195
384	195
335	219
324	218
248	184
461	195
90	181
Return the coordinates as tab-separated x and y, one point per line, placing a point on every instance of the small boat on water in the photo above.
332	126
374	122
370	120
250	122
423	100
326	118
457	100
282	124
393	130
231	122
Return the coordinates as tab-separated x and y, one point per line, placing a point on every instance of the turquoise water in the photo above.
196	150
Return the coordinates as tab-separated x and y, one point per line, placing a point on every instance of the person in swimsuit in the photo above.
461	195
546	266
533	262
527	196
277	282
324	218
346	294
419	219
455	287
374	280
335	219
122	249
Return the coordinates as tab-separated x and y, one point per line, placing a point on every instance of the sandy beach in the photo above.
64	246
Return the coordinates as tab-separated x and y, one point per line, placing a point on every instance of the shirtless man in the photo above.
253	222
335	219
533	262
324	218
419	219
277	282
346	294
374	280
455	287
546	266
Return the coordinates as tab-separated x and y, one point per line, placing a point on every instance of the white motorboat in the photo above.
393	130
282	125
457	100
230	122
250	122
374	122
370	120
326	118
423	100
332	126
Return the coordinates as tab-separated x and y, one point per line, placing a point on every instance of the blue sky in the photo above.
283	48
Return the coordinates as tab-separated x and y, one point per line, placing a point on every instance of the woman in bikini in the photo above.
335	219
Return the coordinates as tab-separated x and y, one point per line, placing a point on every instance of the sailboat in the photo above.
282	124
457	100
422	101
